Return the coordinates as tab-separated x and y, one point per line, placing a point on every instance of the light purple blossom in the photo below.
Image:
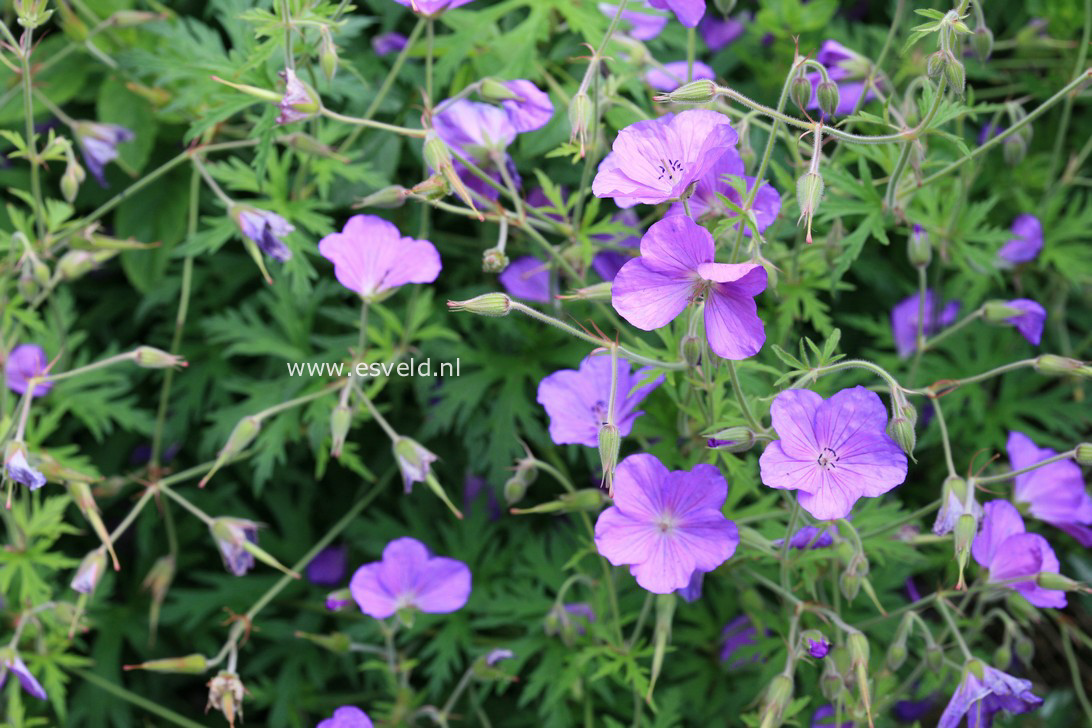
810	537
299	101
738	635
1054	493
607	263
414	461
985	691
706	200
569	620
328	566
1005	548
666	525
673	75
847	69
818	648
481	133
432	8
1029	322
231	534
24	362
640	24
347	716
11	662
266	229
675	268
1027	240
371	257
528	278
576	399
22	472
655	161
99	144
831	451
719	32
950	511
532	110
904	320
387	43
409	577
826	716
689	12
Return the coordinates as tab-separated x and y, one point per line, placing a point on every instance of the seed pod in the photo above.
487	304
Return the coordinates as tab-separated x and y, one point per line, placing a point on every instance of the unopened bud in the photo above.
150	357
828	96
809	192
339	643
800	91
514	490
934	657
327	53
340	599
341	420
831	683
901	430
690	349
72	178
1013	149
244	433
725	6
584	500
1051	580
596	292
1025	649
956	74
133	18
1053	364
581	119
487	304
494	260
778	697
493	90
438	158
918	248
1002	657
661	635
75	264
983	43
934	67
194	664
696	92
814	643
732	439
609	443
388	198
89	571
965	531
896	656
850	584
1083	455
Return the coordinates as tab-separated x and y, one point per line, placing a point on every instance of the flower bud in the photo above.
438	158
72	178
32	13
338	600
814	644
581	119
226	695
485	667
690	349
809	192
1025	649
696	92
896	656
487	304
800	91
1053	364
258	93
732	439
584	500
341	420
514	490
934	66
831	683
494	260
1002	657
828	97
901	430
1050	580
1014	148
983	43
609	443
965	531
388	198
596	292
90	571
414	460
244	433
150	357
327	53
956	74
1083	455
339	643
725	6
133	18
777	699
75	264
850	584
493	90
934	657
194	664
918	248
299	102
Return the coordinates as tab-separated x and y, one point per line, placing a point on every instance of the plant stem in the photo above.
1067	107
206	518
26	49
1001	477
947	614
744	404
360	121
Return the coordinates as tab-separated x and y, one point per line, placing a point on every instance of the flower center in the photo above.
669	168
599	411
827	458
666	522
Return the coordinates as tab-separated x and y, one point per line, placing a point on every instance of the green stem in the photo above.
744	404
1067	107
132	514
286	17
359	121
1001	477
138	700
206	518
947	385
32	145
929	343
944	440
430	48
377	416
947	614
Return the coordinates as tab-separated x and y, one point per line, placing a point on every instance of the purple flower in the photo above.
414	461
689	12
738	635
810	537
818	648
706	198
409	577
831	451
266	229
655	161
912	711
1054	493
1029	322
576	399
347	716
99	144
481	133
607	263
299	102
826	716
952	508
24	362
985	691
666	525
527	278
387	43
904	320
1008	552
371	257
328	566
847	69
643	25
338	599
1027	240
21	471
569	620
675	268
692	591
989	131
532	110
231	535
718	33
673	75
10	661
432	8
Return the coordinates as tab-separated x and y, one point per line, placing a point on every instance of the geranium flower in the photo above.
738	635
1054	493
22	472
11	662
810	537
706	202
372	258
831	451
719	32
409	577
528	278
847	69
23	363
576	399
99	144
414	461
1008	552
692	591
675	268
640	25
1027	316
230	535
432	8
267	230
299	102
689	12
666	525
386	43
347	716
1026	243
328	566
985	691
481	133
904	320
817	647
532	110
656	161
673	75
825	716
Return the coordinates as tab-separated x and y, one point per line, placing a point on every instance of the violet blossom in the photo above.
532	110
1026	243
817	647
738	635
639	24
387	43
347	716
831	451
266	229
674	74
300	102
569	620
432	8
666	525
231	535
328	566
1026	315
1054	493
23	472
1005	548
576	399
414	461
10	661
706	199
528	278
655	161
409	577
904	320
99	144
847	69
985	691
25	362
677	267
480	133
372	258
719	32
689	12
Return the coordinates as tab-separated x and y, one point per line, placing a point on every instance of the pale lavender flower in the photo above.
1027	240
831	451
409	577
99	144
673	75
414	461
719	32
372	258
231	534
89	571
666	525
23	363
950	511
328	566
22	472
532	110
11	662
432	8
1005	548
847	69
1029	322
716	182
498	655
266	229
737	635
528	278
481	133
689	12
576	399
639	23
676	267
904	320
985	691
386	43
656	161
1054	493
347	716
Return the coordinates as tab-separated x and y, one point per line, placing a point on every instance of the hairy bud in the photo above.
696	92
1053	364
1014	149
341	420
778	697
194	664
983	43
494	260
487	304
581	119
244	433
609	442
919	250
328	60
150	357
732	439
800	91
1002	657
388	198
828	97
809	192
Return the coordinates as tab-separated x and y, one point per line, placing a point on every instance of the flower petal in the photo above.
793	413
1000	520
647	299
